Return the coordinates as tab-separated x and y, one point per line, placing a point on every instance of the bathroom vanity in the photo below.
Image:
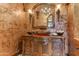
43	45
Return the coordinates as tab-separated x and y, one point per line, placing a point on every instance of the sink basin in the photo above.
39	33
30	33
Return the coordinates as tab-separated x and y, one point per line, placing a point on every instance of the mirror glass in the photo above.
50	21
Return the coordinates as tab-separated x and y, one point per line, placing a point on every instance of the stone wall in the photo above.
13	24
76	20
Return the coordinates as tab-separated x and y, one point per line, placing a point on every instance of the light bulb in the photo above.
17	12
30	11
58	6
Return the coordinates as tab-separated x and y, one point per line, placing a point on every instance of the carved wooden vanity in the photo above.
43	45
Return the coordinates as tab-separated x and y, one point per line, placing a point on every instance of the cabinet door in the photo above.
36	47
45	47
57	47
27	46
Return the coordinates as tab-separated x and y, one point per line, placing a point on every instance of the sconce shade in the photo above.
58	14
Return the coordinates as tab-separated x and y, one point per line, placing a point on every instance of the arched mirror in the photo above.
50	21
42	14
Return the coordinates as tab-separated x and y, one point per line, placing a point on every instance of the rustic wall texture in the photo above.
13	25
76	20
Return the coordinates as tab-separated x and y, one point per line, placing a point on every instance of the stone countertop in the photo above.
47	36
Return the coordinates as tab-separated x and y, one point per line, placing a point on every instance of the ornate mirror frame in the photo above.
36	14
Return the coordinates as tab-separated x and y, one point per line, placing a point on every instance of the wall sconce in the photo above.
17	12
30	14
58	11
30	11
58	6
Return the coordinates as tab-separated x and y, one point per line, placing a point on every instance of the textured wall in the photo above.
74	33
27	7
12	26
76	20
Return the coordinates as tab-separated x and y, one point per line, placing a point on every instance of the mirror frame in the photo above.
33	20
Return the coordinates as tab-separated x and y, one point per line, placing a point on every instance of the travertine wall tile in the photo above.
13	24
